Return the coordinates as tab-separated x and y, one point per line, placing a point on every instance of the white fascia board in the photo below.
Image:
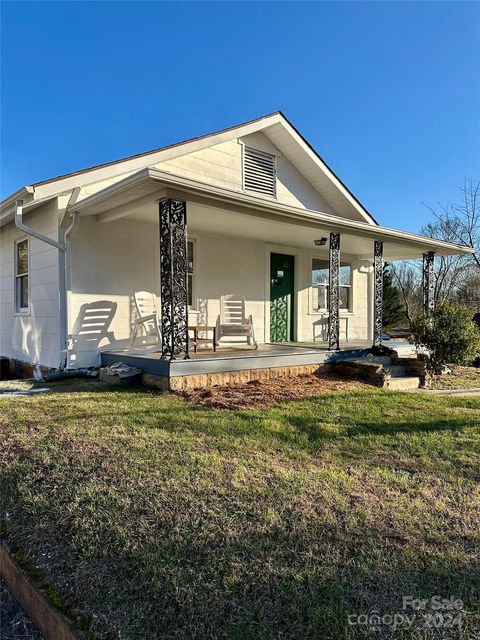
93	206
134	164
328	172
7	206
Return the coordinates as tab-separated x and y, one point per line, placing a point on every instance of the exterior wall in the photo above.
109	262
31	337
234	265
112	261
221	166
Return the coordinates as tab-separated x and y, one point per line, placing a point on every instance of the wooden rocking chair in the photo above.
148	316
232	321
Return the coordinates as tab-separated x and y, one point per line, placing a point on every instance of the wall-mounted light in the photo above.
321	242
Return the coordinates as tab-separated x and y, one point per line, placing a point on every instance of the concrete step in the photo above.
404	350
403	383
396	370
370	359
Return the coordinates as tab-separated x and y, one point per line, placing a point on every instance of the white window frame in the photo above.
324	311
256	193
193	274
21	311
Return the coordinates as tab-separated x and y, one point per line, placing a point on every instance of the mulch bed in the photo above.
270	393
14	622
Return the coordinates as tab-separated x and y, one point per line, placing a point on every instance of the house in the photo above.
251	210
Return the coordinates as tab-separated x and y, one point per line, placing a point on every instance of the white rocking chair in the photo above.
232	321
148	316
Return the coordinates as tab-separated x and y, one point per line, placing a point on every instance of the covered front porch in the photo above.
190	246
234	364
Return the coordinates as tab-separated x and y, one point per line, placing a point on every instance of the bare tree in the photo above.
468	293
461	221
457	277
450	271
407	277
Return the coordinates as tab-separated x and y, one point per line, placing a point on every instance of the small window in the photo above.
259	172
21	276
320	284
191	272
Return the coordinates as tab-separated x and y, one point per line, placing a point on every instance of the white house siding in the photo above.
221	166
109	262
112	261
229	265
31	337
242	266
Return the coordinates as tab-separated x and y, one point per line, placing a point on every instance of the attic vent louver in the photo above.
259	172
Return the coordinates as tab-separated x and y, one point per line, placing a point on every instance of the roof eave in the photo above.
186	185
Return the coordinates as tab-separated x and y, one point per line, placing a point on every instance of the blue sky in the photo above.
388	93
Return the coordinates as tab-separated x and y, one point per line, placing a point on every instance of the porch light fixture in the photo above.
321	242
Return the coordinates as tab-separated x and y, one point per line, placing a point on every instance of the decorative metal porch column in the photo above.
334	292
428	282
378	293
173	278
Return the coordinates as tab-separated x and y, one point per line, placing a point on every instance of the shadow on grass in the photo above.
158	555
209	580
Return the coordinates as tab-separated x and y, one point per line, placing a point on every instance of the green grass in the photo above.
152	518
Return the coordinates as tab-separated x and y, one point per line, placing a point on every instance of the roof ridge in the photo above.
164	148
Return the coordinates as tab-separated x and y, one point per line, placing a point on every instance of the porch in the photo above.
236	364
333	308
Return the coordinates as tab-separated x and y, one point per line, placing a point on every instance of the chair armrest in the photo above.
152	316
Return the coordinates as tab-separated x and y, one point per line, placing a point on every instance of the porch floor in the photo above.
238	357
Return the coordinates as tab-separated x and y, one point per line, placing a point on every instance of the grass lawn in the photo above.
149	517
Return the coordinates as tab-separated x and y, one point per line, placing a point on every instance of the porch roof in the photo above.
138	195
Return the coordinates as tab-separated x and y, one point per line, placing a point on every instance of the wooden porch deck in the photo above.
237	358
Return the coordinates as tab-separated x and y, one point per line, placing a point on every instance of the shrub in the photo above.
450	335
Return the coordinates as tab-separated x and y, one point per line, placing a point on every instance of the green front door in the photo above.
282	290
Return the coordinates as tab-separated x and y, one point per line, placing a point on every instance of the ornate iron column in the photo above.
378	293
173	278
334	292
428	282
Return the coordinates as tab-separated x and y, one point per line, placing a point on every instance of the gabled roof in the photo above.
275	126
205	136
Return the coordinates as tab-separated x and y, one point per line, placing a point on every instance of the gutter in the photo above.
179	185
63	248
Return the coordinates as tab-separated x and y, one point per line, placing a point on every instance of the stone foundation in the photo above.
229	378
371	372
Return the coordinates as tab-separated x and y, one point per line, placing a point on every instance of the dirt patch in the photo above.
459	378
269	393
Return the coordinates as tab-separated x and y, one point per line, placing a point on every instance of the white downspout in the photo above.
63	267
67	266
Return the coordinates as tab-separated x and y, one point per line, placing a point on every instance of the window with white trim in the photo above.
191	272
259	172
21	276
320	284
